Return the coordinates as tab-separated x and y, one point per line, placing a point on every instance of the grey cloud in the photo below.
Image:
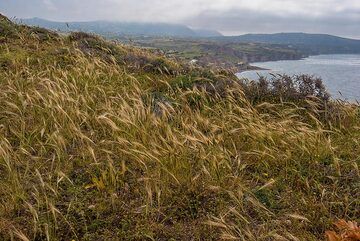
229	16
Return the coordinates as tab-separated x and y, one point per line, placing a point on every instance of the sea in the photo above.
340	72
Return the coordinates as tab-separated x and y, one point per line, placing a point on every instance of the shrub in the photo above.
285	88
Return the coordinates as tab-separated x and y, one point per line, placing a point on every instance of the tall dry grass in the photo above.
108	148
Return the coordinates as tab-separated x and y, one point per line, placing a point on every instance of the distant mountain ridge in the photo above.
112	28
306	43
303	43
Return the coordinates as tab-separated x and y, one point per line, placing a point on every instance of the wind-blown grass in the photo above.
107	142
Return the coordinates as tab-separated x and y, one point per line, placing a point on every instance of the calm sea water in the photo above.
340	73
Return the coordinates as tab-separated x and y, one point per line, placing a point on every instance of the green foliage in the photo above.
7	28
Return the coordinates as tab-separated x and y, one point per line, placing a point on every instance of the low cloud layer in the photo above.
238	21
228	16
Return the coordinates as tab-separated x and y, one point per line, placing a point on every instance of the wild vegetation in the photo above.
108	142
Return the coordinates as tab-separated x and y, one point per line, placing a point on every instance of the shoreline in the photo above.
253	67
250	68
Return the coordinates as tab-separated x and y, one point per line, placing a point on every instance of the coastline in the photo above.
339	72
250	68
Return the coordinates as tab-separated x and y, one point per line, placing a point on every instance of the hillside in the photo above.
236	56
117	29
307	43
103	141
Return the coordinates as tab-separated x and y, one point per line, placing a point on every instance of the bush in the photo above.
285	88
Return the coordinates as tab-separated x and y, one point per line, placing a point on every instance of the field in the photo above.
100	141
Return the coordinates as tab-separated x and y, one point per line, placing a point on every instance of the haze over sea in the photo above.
340	73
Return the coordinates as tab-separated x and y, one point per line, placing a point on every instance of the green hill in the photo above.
307	43
100	141
118	29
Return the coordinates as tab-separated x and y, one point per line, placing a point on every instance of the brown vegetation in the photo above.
347	231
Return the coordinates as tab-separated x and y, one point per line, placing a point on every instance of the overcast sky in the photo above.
231	17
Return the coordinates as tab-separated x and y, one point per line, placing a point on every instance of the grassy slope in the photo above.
226	55
105	142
